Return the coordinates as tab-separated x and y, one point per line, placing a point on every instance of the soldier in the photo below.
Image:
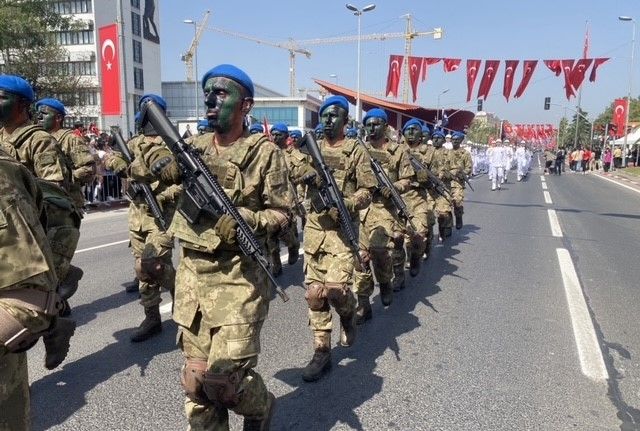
425	154
222	296
417	197
329	261
295	136
40	153
381	230
80	162
440	166
255	128
351	133
151	246
461	164
28	301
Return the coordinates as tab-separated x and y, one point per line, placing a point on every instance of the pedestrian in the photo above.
617	157
606	159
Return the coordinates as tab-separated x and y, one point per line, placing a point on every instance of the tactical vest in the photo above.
387	160
341	166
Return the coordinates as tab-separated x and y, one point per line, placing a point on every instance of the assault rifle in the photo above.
330	196
202	193
139	188
385	182
466	180
440	187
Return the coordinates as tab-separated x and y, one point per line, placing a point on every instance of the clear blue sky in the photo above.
498	29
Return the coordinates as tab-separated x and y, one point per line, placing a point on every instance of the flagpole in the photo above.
585	53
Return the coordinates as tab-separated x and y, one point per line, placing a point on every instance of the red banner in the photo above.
596	63
510	67
527	72
393	77
451	64
415	70
567	67
428	61
620	116
490	72
110	70
472	74
578	72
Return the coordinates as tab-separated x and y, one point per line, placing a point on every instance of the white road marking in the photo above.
591	360
620	184
555	225
543	179
547	197
165	308
544	186
102	246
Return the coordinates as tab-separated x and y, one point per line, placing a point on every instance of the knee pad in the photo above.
149	269
316	296
398	240
223	389
379	255
336	292
366	258
192	380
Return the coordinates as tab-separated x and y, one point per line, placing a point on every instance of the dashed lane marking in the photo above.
101	246
544	186
555	225
547	197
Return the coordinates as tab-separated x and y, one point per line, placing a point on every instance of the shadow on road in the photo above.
334	399
85	313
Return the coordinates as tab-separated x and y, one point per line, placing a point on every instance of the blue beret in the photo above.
412	122
426	129
202	124
341	101
16	85
159	100
280	127
137	117
352	132
51	103
319	128
256	127
231	72
457	135
296	134
375	113
438	134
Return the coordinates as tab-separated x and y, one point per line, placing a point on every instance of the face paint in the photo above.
375	128
8	102
456	143
333	118
413	134
279	138
223	98
438	141
47	117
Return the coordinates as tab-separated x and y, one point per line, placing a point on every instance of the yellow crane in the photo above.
188	56
296	46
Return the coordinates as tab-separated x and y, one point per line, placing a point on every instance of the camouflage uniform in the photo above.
222	296
39	152
79	160
381	229
420	205
26	265
439	165
460	162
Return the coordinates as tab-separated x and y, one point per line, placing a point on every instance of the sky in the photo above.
496	30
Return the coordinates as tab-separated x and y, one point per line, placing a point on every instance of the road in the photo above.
526	319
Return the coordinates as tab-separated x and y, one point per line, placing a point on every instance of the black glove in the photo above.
226	228
166	169
422	176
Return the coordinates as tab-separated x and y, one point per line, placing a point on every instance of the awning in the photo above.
399	113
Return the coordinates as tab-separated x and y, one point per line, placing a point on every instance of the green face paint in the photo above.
8	102
47	117
375	128
413	134
279	138
333	118
223	98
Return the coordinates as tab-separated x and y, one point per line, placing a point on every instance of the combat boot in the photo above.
459	217
56	342
386	294
150	326
363	311
321	361
414	264
263	424
69	286
347	330
65	310
293	254
448	224
132	286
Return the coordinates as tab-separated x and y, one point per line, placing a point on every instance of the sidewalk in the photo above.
622	178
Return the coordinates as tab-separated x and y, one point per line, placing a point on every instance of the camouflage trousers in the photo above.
227	350
154	244
14	392
335	273
63	233
457	193
382	237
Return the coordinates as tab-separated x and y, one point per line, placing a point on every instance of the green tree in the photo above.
562	131
606	117
481	130
568	139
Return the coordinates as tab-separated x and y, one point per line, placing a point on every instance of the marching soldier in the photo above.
441	167
461	165
151	246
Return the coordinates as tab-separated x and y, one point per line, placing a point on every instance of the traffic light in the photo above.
547	103
479	105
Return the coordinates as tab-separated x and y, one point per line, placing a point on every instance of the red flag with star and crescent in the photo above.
619	115
451	64
578	72
393	77
472	74
596	63
527	72
567	67
490	72
415	70
110	70
510	67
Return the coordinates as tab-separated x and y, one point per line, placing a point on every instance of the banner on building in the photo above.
110	70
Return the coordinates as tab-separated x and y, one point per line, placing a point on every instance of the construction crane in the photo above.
296	46
188	56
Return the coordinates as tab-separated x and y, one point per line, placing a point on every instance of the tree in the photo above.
562	131
607	116
568	139
482	129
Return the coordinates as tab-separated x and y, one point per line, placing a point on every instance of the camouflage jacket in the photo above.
417	194
460	161
79	160
437	159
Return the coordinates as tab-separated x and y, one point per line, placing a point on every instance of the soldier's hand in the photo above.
225	228
166	169
334	214
386	192
308	176
422	176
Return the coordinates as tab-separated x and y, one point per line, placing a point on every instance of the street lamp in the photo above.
438	105
335	77
626	121
357	12
195	63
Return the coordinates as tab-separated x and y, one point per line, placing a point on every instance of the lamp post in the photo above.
334	76
358	12
626	121
195	64
438	105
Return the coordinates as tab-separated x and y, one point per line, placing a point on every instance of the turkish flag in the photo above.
509	72
428	61
567	67
620	115
451	64
578	72
472	74
490	72
507	128
393	78
554	65
415	70
596	63
527	72
110	70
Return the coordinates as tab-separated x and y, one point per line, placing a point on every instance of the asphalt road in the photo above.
496	333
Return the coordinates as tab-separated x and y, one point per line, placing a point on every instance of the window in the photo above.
285	115
138	79
82	37
73	68
135	4
137	51
135	24
69	121
71	7
82	97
